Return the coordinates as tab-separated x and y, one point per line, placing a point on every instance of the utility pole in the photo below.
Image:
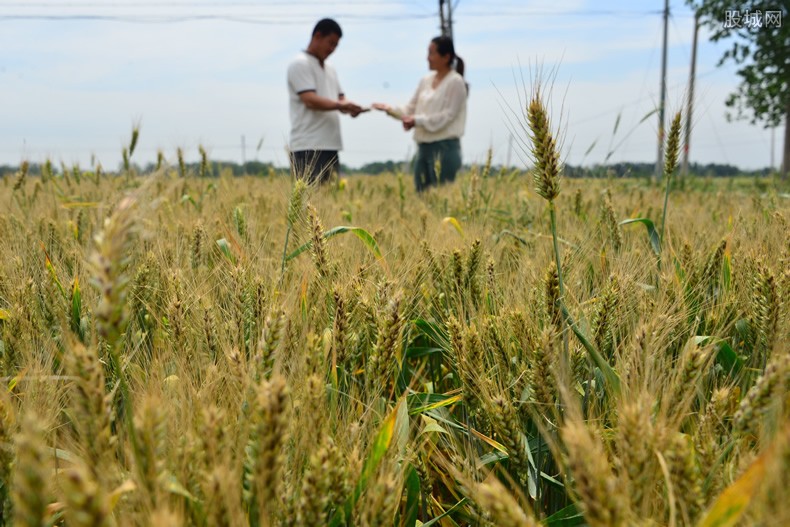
660	160
243	150
442	23
450	18
446	18
690	102
773	142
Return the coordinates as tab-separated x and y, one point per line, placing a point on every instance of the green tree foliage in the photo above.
760	33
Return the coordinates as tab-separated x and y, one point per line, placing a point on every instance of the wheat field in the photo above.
503	350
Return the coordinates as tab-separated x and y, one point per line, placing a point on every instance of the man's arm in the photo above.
315	102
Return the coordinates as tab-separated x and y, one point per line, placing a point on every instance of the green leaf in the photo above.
186	198
446	401
506	232
65	455
743	332
445	513
76	310
732	503
523	241
120	490
567	517
415	399
652	233
612	379
434	427
725	355
552	480
401	432
648	115
434	331
494	456
173	486
726	270
729	360
52	272
679	271
454	222
412	498
450	424
368	240
224	246
380	446
359	232
589	149
416	352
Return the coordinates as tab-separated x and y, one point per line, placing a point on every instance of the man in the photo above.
315	100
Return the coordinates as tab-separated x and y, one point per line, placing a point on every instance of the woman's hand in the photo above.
408	122
392	112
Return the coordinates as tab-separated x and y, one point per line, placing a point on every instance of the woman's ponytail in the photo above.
444	46
459	65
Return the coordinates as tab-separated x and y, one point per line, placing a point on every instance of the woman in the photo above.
437	113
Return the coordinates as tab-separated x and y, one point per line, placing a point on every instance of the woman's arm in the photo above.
455	98
398	112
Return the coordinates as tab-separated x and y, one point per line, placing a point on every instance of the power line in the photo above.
634	101
224	5
493	10
548	12
232	5
241	18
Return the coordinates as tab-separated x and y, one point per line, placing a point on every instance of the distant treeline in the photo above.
613	170
257	168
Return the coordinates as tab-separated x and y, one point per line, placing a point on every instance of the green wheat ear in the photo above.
47	172
135	137
670	163
296	202
673	143
205	168
30	477
23	169
182	167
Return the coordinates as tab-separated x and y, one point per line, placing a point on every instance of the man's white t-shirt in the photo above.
313	129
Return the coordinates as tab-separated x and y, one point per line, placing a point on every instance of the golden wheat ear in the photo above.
546	174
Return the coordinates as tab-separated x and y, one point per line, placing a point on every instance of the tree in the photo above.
761	46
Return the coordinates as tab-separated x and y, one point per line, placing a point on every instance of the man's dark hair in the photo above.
327	26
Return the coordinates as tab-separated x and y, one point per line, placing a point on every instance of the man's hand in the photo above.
350	108
408	122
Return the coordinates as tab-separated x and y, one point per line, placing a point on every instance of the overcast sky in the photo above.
76	75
